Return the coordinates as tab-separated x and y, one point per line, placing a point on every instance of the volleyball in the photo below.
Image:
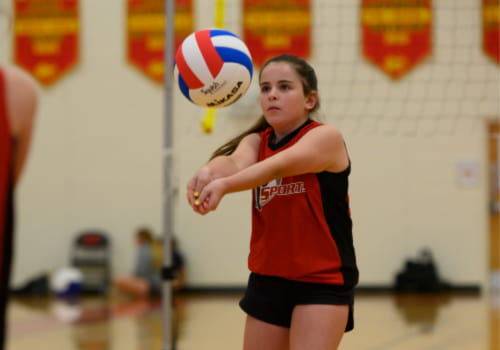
66	282
213	68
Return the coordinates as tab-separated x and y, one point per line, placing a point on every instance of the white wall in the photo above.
96	157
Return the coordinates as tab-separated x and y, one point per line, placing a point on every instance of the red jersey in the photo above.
6	205
301	225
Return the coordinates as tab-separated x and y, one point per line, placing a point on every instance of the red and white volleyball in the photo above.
213	68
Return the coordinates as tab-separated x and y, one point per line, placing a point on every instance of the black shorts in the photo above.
272	299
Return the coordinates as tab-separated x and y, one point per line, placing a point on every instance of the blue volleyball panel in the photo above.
184	88
217	32
235	56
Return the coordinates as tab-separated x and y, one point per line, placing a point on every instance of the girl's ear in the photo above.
311	100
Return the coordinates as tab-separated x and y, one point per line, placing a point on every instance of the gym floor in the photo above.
215	322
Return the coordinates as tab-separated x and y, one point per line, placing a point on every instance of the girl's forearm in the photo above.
221	166
251	177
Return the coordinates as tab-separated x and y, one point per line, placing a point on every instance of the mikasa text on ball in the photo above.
213	68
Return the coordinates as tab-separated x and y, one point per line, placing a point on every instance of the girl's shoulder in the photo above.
326	134
325	128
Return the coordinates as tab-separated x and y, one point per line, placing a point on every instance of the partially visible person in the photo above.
18	102
145	280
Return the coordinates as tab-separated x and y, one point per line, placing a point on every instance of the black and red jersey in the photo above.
301	225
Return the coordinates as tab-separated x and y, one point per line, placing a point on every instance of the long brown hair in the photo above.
309	84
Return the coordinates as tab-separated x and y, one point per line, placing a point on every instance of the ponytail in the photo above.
229	147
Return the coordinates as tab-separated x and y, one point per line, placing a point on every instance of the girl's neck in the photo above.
280	133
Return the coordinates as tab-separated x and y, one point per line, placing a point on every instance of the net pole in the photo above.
167	271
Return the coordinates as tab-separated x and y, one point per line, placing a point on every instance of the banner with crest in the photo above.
491	29
273	27
146	22
396	34
46	37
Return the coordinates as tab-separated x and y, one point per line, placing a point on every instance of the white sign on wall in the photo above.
467	172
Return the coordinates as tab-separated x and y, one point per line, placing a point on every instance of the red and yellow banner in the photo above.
491	29
396	34
46	37
273	27
146	22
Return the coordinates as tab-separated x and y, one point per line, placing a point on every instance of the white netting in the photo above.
456	85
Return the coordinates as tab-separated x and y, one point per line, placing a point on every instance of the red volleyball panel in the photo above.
212	58
187	74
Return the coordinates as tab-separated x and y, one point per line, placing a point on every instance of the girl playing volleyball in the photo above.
300	291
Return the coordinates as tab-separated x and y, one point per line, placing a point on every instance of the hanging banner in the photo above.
396	34
273	27
146	33
491	29
46	37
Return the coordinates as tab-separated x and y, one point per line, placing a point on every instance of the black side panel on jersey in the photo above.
337	213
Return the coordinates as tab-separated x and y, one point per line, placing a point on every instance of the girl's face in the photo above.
282	97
